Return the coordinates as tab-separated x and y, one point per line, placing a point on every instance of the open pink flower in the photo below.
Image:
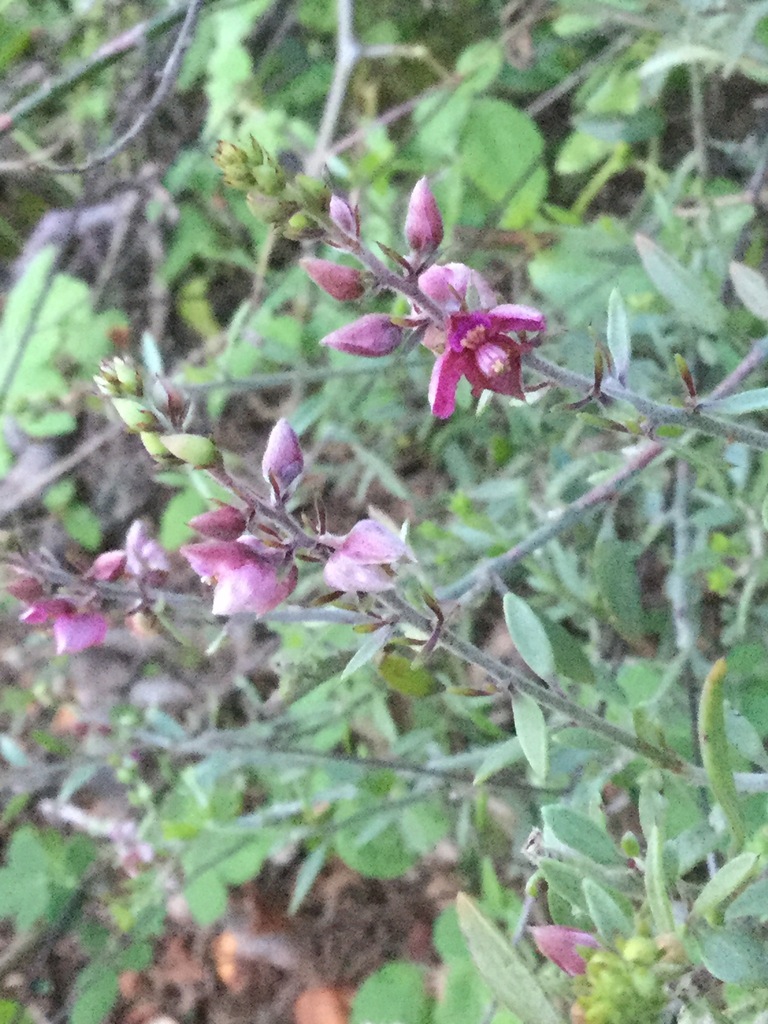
474	343
561	945
363	558
248	576
73	631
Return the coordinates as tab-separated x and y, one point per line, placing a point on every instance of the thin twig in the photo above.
166	83
106	55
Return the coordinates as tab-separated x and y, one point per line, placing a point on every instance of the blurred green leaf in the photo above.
582	834
529	636
684	290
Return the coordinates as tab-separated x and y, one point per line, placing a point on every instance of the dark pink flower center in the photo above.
470	331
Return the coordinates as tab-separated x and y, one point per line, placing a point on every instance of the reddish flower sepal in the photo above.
560	945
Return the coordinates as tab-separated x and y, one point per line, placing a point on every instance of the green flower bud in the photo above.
195	449
271	211
640	950
135	415
157	449
269	179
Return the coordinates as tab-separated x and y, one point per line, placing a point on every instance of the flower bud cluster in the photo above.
158	415
613	982
297	206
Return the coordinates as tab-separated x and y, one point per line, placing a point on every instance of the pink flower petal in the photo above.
448	370
213	558
283	461
342	573
44	611
370	543
107	567
511	317
560	944
255	587
143	554
75	633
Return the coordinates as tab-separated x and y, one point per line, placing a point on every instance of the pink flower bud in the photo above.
283	461
560	945
108	567
223	523
255	587
423	223
372	335
343	283
26	588
343	216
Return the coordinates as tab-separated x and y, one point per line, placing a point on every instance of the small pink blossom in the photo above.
362	560
247	576
372	335
222	523
143	554
560	945
342	283
73	631
423	223
283	461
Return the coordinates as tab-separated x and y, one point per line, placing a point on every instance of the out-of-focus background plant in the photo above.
270	818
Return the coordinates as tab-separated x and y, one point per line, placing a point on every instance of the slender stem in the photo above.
572	514
656	413
164	86
348	52
509	679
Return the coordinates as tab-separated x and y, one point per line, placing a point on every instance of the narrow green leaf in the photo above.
367	650
755	400
618	336
307	875
565	881
656	883
500	756
753	902
724	883
529	636
618	586
684	291
751	288
715	755
503	969
609	917
582	834
531	730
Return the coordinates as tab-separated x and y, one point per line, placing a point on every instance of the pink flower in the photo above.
423	223
560	945
362	559
74	631
343	283
474	342
372	335
478	347
248	576
143	555
283	461
222	523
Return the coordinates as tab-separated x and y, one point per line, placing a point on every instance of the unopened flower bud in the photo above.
108	567
25	588
269	178
154	445
312	193
135	415
343	216
195	449
372	335
283	460
271	211
223	523
171	401
301	226
235	165
423	223
343	283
